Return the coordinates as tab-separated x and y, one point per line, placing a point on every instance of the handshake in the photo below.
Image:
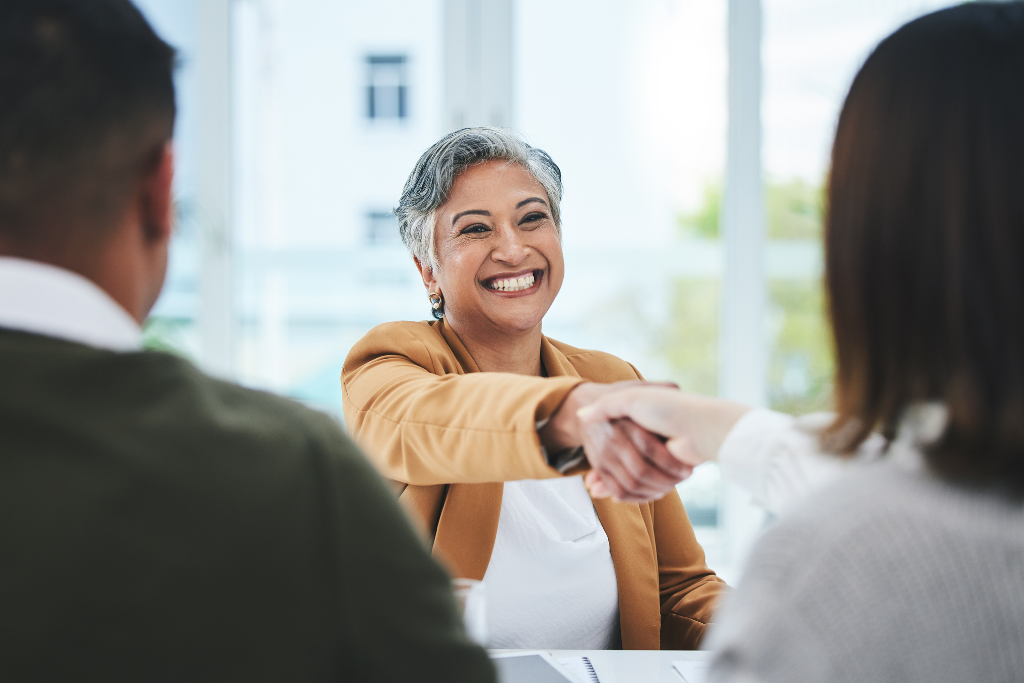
640	438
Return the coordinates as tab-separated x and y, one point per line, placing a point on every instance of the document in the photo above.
529	667
693	671
581	668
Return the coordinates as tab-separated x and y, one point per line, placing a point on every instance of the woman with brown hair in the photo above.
910	568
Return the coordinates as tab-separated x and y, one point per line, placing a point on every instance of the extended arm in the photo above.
422	428
424	422
775	457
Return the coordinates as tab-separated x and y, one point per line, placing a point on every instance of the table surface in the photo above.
633	666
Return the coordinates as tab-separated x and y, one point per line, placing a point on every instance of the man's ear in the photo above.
427	273
156	205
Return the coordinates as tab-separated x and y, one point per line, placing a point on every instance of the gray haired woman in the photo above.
473	417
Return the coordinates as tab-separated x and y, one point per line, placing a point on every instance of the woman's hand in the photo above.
694	426
628	462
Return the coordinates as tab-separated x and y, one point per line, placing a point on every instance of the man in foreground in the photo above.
157	524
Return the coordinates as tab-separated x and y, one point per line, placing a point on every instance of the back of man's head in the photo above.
86	108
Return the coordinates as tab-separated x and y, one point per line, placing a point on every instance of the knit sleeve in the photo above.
778	459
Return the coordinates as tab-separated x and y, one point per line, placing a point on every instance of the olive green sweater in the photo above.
160	525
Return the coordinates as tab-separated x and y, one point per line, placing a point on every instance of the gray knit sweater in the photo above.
889	575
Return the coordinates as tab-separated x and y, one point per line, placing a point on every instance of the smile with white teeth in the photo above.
514	284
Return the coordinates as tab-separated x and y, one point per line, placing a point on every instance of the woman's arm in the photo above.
424	422
773	456
778	458
422	428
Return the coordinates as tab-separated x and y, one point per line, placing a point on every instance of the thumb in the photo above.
682	449
609	407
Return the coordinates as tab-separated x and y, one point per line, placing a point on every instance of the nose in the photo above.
511	247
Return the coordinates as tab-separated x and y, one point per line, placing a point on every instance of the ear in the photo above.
427	273
155	203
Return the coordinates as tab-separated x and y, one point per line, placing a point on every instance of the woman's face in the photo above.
500	257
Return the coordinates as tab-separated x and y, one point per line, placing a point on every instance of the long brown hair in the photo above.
925	239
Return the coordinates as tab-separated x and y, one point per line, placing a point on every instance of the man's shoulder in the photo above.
596	366
156	398
271	411
265	422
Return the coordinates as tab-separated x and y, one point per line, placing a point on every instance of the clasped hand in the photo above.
640	438
627	461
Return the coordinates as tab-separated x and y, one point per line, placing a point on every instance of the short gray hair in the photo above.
432	179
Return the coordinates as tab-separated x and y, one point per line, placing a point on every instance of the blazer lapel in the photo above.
555	362
636	571
458	349
467	528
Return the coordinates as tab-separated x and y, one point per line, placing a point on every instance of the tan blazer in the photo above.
449	435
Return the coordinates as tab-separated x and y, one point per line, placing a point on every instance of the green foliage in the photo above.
800	361
703	224
690	344
793	210
800	365
164	334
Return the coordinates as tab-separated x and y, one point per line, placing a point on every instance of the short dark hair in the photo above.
925	239
86	103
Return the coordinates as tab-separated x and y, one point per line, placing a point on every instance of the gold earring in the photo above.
435	300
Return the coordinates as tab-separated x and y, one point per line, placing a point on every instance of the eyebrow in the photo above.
531	199
481	212
472	212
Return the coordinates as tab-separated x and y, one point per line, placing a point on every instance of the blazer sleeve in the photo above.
422	422
689	589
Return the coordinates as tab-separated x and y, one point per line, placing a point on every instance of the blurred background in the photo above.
693	138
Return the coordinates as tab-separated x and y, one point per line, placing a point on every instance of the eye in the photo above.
476	228
533	217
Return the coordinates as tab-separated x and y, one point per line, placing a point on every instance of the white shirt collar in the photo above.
47	300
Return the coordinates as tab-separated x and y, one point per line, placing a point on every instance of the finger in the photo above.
598	490
653	448
656	467
682	449
624	471
605	446
596	485
652	407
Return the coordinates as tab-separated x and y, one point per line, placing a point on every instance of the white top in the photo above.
550	583
777	459
44	299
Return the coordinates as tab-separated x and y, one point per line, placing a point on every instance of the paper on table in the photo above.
693	671
581	668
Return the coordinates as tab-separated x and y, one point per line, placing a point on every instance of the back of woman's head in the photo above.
925	239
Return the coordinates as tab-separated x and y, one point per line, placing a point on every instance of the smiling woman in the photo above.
502	256
473	417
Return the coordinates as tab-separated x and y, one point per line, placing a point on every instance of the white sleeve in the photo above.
778	460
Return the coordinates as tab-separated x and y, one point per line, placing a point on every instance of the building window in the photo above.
387	90
382	228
